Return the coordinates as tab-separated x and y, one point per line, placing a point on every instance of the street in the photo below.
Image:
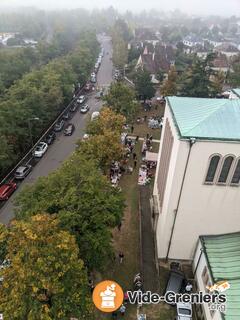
64	146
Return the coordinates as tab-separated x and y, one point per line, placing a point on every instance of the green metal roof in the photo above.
203	118
223	256
236	91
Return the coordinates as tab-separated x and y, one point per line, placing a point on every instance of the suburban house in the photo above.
156	58
5	36
143	36
192	41
227	49
216	259
197	184
221	63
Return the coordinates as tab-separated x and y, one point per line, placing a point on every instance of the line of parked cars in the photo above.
22	171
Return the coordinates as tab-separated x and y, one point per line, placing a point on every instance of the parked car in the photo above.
184	311
73	108
66	115
7	189
84	108
22	171
41	148
69	129
175	281
50	138
59	126
81	99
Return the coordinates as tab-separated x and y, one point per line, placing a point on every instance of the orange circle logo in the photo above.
108	296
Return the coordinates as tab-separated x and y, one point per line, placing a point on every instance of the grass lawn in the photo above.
142	129
127	241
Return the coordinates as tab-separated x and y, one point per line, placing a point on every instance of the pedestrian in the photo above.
150	138
136	140
122	309
132	129
188	287
121	256
134	155
147	136
119	226
145	118
135	163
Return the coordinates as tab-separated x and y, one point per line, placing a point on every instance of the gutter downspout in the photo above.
191	143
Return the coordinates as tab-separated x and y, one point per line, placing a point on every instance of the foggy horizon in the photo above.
188	7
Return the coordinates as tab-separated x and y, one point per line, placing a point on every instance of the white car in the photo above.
84	108
184	311
41	148
81	99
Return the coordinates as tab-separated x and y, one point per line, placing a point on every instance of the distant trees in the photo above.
120	37
234	76
144	86
46	278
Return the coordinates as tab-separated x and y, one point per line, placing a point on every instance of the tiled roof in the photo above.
220	61
223	256
208	119
227	47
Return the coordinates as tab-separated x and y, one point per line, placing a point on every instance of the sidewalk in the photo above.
148	266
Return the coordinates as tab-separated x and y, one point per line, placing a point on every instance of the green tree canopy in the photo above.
144	86
85	203
46	279
121	99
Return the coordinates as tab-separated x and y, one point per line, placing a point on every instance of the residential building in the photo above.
227	49
221	63
192	41
197	180
156	58
217	258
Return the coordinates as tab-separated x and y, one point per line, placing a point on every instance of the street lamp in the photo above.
30	128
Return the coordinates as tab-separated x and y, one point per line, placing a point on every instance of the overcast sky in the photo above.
221	7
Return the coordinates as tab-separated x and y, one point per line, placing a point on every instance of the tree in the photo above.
108	120
196	80
169	87
85	203
121	99
217	83
46	279
144	86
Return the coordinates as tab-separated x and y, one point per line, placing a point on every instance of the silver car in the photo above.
184	311
22	171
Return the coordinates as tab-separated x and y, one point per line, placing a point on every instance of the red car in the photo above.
6	190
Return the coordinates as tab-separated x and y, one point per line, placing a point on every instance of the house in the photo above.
156	58
217	258
146	35
192	40
4	37
197	183
221	63
227	49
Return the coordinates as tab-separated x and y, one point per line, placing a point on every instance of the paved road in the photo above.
63	146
